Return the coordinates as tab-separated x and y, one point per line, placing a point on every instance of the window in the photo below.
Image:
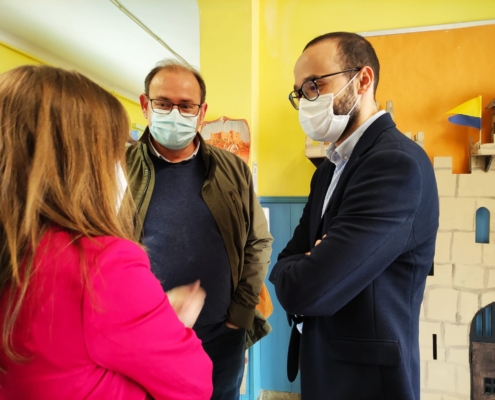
489	385
434	346
482	225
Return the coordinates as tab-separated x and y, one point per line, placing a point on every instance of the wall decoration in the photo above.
456	335
230	134
492	119
467	114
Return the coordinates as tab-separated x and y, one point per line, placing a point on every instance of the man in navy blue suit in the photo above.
355	270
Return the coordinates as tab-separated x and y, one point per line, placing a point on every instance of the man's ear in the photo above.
143	100
365	80
201	118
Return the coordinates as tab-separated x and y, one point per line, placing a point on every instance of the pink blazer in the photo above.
116	338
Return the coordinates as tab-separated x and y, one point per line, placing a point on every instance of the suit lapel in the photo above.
320	189
362	146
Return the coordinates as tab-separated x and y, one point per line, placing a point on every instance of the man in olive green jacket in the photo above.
184	186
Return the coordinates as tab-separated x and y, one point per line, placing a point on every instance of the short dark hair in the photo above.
174	65
353	51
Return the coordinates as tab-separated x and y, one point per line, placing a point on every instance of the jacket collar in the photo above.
205	152
381	124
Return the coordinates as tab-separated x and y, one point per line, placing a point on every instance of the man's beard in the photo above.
346	101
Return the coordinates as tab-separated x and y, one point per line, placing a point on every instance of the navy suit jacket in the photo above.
360	290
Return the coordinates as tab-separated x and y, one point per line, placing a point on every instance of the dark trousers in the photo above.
227	352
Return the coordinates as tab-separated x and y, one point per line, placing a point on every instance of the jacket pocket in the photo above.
236	201
366	351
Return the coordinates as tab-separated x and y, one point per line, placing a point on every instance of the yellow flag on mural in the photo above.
467	114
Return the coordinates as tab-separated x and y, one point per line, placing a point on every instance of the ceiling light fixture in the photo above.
147	30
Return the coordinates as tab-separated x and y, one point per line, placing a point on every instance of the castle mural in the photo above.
456	344
229	134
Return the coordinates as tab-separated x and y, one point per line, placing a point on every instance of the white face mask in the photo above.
318	120
121	184
173	130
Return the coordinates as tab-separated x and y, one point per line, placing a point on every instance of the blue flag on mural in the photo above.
467	114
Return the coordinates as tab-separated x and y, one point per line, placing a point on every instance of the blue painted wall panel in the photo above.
267	368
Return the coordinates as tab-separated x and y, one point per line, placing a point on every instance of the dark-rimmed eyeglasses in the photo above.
309	89
161	106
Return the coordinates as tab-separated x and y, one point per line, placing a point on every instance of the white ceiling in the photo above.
96	38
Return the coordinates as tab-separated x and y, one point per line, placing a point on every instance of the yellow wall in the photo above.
229	61
10	57
133	109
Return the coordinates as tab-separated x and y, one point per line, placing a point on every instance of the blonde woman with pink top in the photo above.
82	315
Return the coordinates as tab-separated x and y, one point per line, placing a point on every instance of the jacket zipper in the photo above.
239	213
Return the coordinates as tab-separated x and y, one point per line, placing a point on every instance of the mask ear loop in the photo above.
347	84
355	104
121	184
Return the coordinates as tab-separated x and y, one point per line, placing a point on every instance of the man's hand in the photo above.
316	244
231	325
187	302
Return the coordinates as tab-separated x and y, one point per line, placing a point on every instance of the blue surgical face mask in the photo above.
173	130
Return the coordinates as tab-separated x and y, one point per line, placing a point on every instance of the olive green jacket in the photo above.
229	194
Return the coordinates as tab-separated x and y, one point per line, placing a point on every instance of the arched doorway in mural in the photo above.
482	354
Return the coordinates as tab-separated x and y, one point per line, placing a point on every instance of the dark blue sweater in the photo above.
183	240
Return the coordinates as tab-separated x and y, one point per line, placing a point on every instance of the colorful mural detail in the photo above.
456	335
230	134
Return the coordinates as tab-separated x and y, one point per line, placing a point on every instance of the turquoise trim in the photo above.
283	199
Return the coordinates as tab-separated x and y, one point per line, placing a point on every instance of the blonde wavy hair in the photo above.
61	136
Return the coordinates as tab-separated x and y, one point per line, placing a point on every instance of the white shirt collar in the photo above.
347	146
157	154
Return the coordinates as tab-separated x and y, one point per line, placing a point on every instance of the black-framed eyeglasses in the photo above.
309	89
161	106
